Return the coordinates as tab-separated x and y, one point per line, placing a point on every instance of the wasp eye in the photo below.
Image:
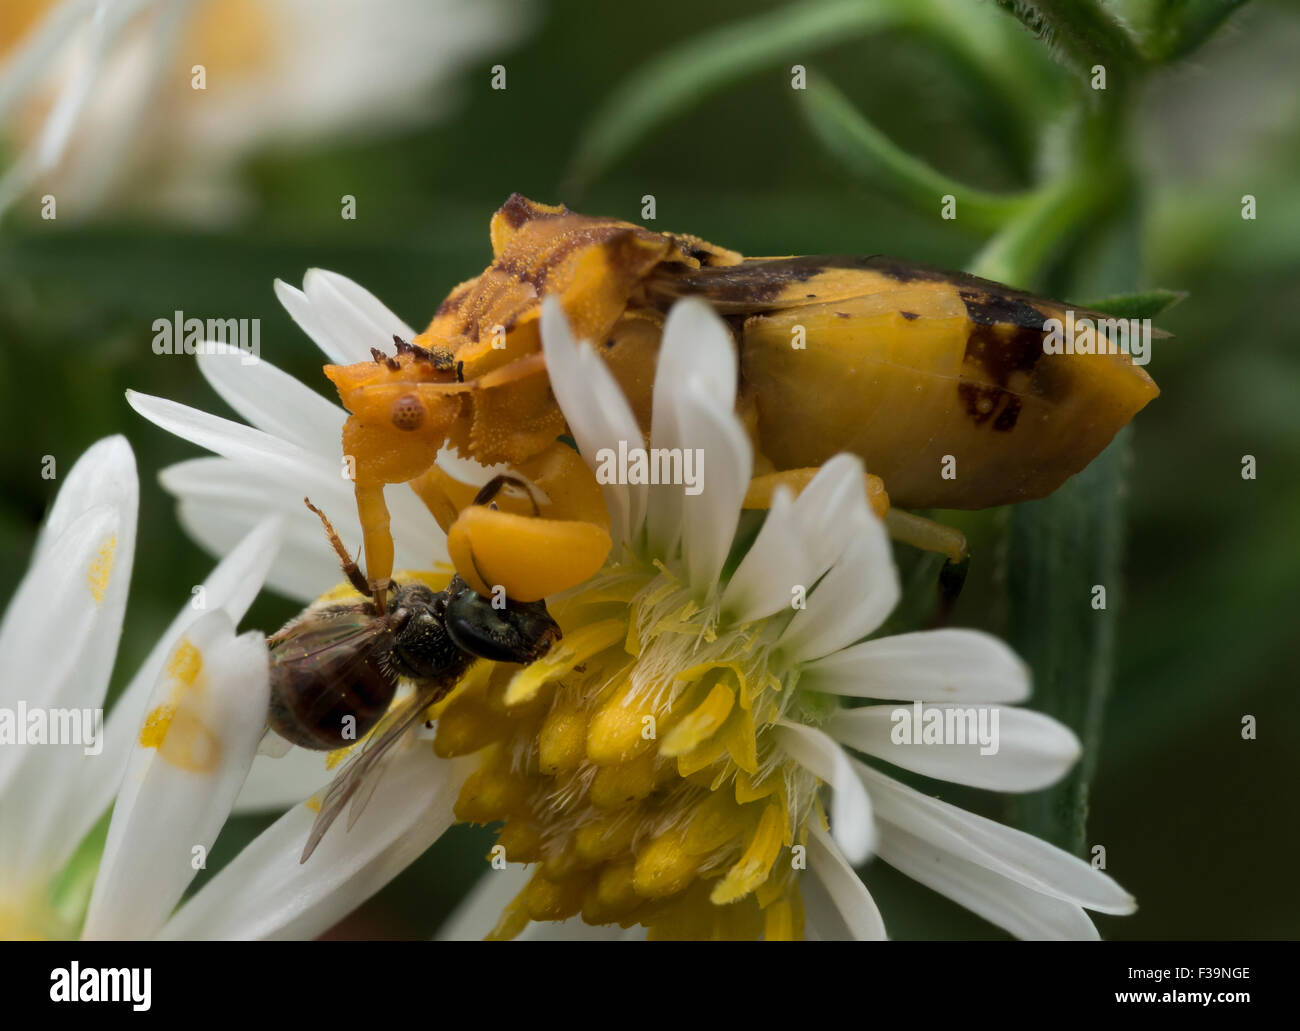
408	412
519	633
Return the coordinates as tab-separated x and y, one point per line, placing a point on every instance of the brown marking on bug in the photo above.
377	355
988	402
992	309
909	315
1003	350
535	273
843	315
518	209
1005	340
750	281
903	271
452	302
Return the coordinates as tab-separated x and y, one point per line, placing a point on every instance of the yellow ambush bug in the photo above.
909	367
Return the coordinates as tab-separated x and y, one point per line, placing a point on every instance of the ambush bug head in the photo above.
402	390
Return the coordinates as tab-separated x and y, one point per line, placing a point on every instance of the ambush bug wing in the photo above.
359	776
907	366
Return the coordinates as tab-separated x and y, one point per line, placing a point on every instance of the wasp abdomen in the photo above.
328	701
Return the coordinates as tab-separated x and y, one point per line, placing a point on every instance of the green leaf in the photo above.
1060	549
69	892
867	152
1039	229
677	80
1145	304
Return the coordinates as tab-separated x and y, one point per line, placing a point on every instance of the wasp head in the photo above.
518	632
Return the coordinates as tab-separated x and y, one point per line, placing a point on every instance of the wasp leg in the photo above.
488	492
350	568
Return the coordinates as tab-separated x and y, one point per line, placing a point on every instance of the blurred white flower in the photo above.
100	98
174	750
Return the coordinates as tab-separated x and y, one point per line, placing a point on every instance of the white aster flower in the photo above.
175	748
94	93
703	827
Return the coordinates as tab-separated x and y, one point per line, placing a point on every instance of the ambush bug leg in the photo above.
377	541
926	534
762	488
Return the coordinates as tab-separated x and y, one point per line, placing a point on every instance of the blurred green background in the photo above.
1195	821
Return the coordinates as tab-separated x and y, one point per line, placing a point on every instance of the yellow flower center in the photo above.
633	765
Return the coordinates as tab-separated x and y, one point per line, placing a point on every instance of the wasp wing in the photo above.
343	644
360	774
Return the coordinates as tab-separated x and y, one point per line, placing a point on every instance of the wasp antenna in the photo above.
402	345
350	568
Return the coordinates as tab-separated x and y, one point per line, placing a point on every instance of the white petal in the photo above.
343	295
356	318
104	26
695	343
224	437
478	913
850	601
81	572
1013	907
52	624
1012	853
831	511
851	818
176	795
275	402
726	458
105	474
856	906
596	411
231	587
276	784
1027	750
775	564
266	893
220	500
300	309
928	665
